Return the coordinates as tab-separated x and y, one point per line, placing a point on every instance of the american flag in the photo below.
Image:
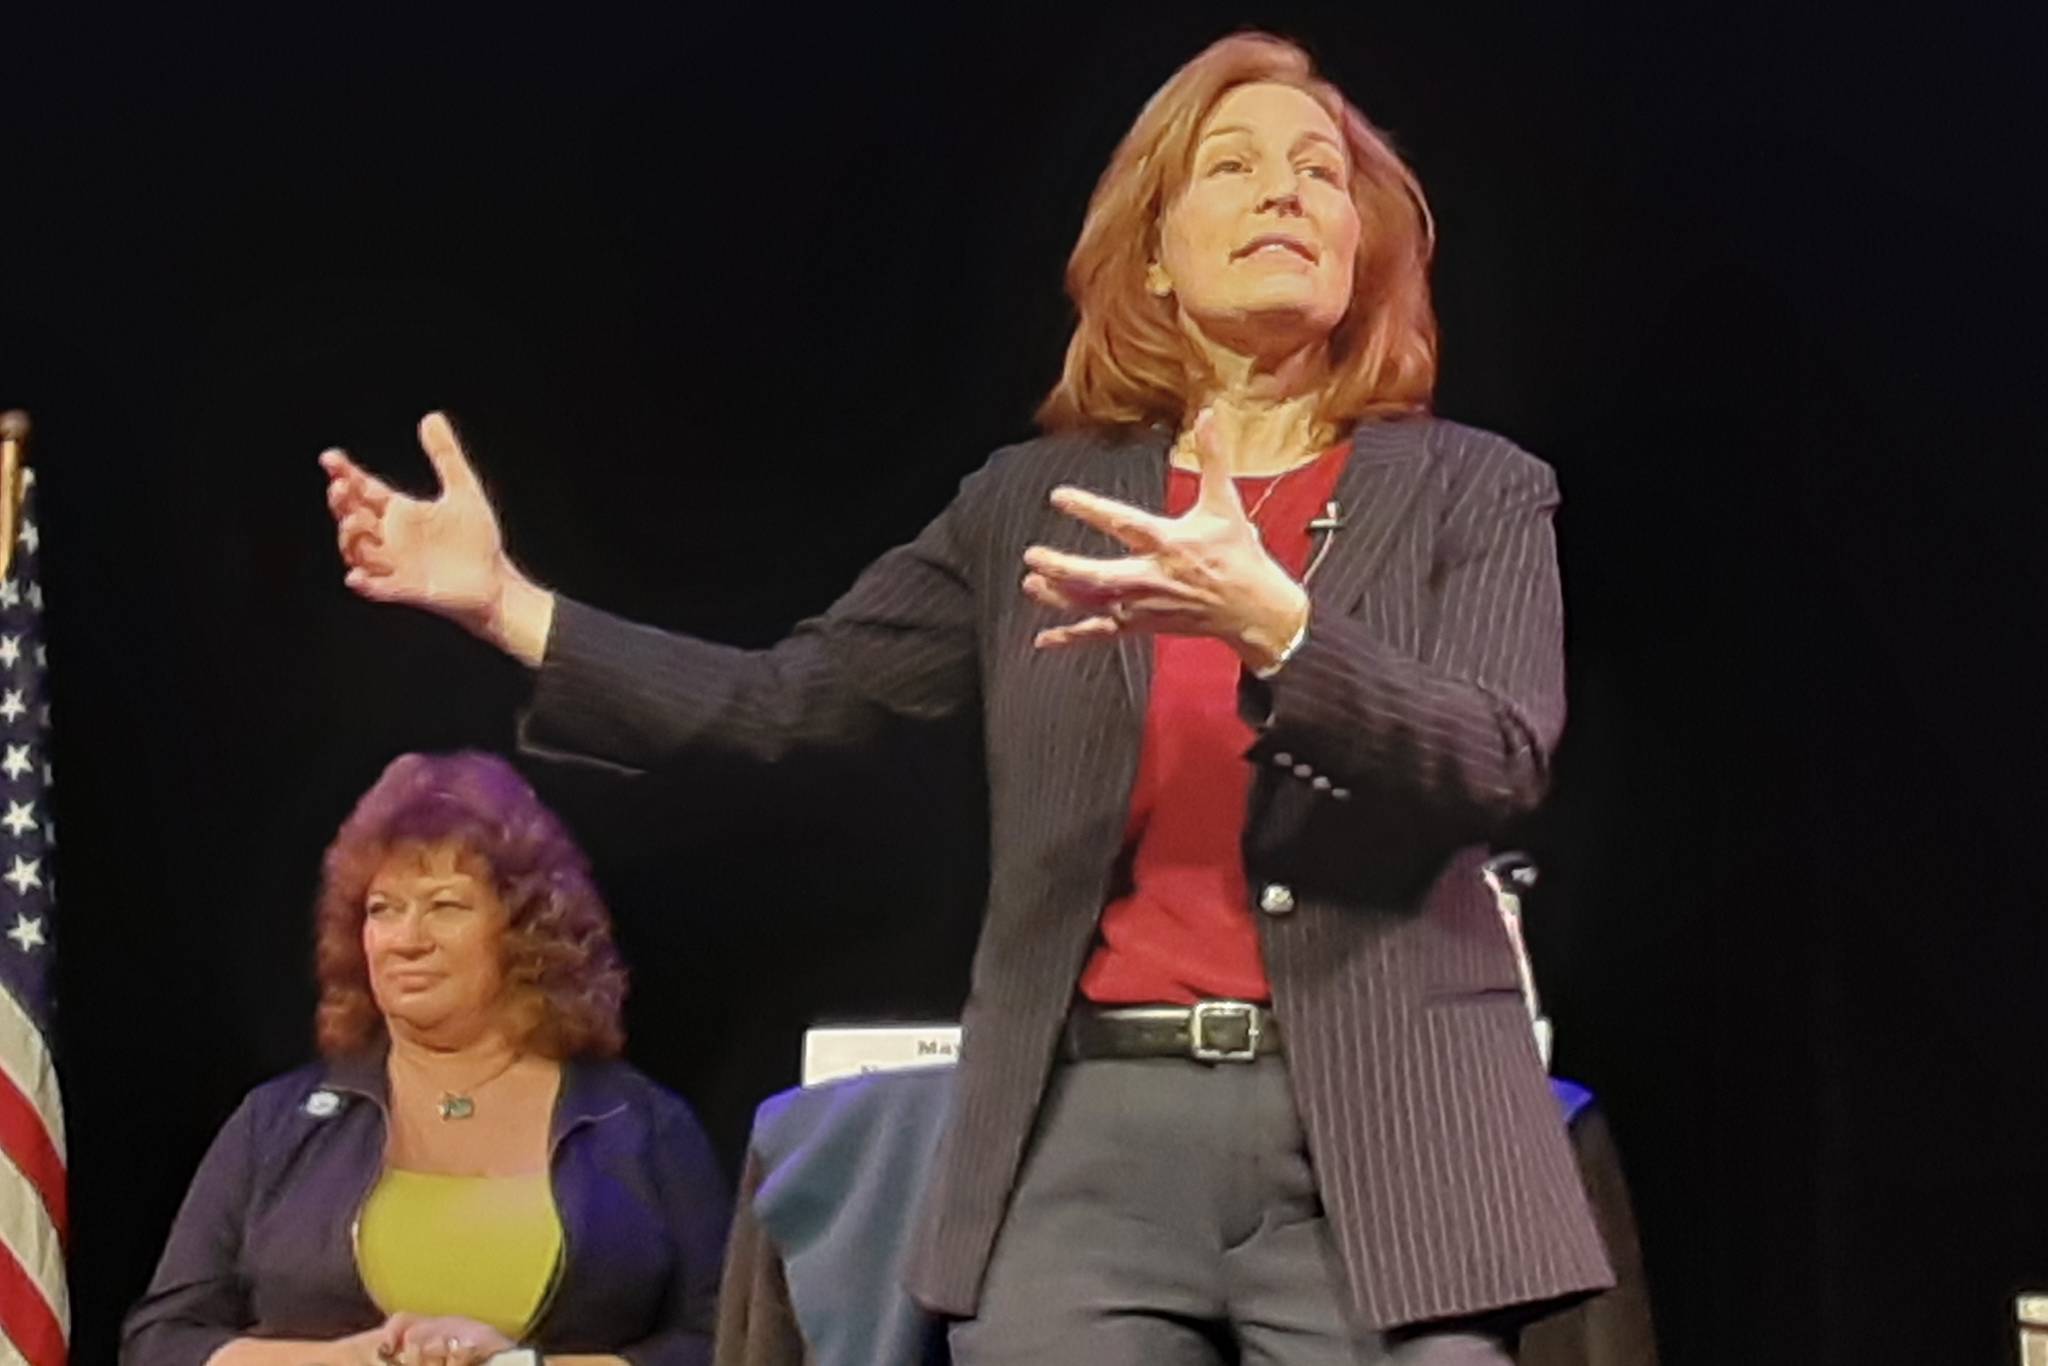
35	1313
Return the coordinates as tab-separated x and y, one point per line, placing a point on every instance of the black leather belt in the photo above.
1209	1031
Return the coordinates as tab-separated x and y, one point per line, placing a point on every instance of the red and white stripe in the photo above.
35	1306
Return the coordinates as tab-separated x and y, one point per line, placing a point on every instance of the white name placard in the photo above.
834	1051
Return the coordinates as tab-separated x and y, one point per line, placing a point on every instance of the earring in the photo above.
1156	282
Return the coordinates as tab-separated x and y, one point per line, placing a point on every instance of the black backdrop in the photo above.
727	303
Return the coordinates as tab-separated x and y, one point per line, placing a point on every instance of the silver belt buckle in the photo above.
1199	1018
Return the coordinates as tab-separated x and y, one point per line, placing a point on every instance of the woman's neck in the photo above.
433	1053
1266	410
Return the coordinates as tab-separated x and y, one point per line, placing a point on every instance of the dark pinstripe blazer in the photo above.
1419	713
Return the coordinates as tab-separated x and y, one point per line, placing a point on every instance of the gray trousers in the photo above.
1167	1215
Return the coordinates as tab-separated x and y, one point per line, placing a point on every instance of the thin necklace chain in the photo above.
1185	445
460	1102
1252	513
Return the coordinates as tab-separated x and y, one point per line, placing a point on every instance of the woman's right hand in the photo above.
443	554
364	1349
358	1349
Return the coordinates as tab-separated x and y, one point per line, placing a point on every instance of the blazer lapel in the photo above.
1378	489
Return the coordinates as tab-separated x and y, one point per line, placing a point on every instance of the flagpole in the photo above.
13	458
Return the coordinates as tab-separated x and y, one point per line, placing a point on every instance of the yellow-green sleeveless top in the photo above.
481	1247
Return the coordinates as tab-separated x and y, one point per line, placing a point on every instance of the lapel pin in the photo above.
322	1103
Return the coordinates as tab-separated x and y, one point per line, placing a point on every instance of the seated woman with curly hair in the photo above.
471	1174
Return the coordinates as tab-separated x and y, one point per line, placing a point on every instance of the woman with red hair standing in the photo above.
1262	653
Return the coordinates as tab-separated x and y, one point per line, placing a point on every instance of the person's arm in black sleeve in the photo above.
1465	728
198	1302
901	643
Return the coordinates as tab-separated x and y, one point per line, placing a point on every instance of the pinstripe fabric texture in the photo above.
1419	713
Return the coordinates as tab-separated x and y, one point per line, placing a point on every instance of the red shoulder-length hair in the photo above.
1129	361
567	980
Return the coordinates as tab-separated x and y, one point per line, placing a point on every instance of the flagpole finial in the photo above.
14	426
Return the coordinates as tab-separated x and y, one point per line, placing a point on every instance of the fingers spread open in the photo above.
348	485
1042	590
1135	527
358	526
1079	632
375	582
1218	492
444	451
1085	574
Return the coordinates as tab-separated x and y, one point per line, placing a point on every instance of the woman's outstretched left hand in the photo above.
1204	573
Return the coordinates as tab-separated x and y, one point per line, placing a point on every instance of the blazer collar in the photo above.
1376	492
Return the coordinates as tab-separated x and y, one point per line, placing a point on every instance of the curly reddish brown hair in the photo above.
567	978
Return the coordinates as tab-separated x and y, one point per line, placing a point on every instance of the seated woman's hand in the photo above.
414	1340
1205	573
357	1349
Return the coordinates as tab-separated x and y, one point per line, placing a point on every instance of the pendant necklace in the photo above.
461	1104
